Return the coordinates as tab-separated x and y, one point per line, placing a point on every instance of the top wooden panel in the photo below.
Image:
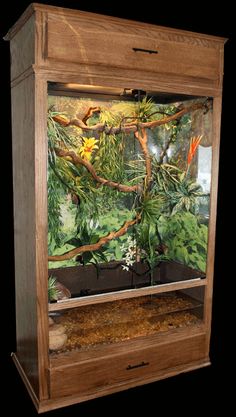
74	41
118	44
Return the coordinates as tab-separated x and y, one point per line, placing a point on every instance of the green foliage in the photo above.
87	234
57	136
165	177
52	289
184	195
167	205
106	223
150	207
185	238
145	110
148	241
109	159
146	232
135	170
90	231
61	183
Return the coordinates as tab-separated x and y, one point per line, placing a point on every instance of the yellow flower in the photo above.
89	144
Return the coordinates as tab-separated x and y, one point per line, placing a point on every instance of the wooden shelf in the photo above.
121	295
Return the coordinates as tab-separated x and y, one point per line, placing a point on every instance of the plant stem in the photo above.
152	277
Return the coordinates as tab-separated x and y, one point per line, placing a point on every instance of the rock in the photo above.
57	341
50	321
57	336
56	329
62	292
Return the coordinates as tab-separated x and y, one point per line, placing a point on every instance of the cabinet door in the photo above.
128	207
128	191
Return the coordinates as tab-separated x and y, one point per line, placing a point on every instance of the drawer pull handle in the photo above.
137	366
148	51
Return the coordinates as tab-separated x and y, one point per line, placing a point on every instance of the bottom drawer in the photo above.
90	376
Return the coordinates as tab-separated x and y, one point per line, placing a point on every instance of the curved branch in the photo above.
95	246
166	147
142	138
127	127
90	113
77	160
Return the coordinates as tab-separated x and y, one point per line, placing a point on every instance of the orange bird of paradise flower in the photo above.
194	142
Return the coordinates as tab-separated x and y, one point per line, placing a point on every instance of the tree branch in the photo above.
90	113
142	138
166	147
77	160
95	246
127	127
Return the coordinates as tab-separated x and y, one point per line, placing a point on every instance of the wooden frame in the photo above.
43	41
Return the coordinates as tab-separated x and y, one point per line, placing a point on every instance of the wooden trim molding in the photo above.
25	380
165	33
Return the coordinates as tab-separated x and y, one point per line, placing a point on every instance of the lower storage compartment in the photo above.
126	368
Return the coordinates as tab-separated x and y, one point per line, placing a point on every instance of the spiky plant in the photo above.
150	207
52	289
109	159
165	176
146	109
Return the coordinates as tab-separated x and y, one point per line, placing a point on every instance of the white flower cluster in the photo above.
129	250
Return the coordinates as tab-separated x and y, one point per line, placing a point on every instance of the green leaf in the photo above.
94	239
118	253
87	257
201	265
74	241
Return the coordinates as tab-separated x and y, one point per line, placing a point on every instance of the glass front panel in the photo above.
87	327
128	191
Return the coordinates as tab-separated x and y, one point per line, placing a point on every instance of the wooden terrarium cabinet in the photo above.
116	130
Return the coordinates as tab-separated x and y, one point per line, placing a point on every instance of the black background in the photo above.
187	393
